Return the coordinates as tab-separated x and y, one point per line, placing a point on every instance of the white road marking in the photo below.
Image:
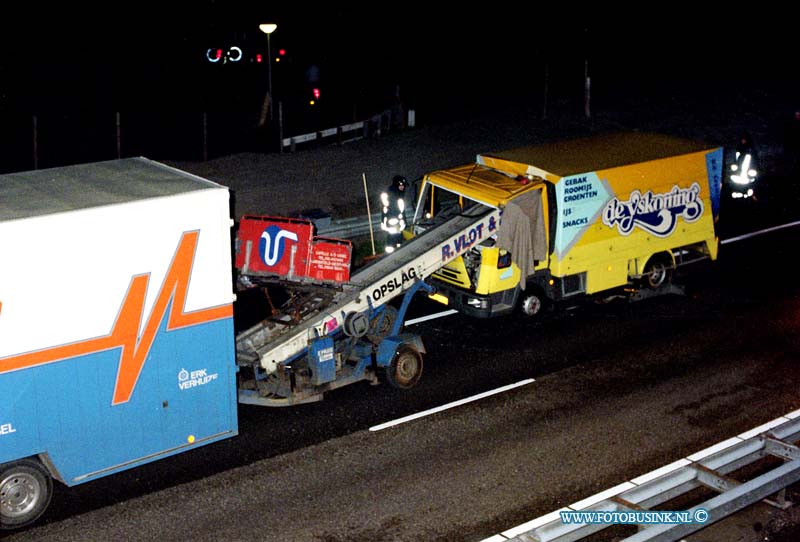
450	405
760	232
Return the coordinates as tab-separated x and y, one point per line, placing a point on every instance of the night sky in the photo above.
139	54
451	62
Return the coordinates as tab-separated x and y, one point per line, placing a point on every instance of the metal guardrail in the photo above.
372	126
349	228
708	468
339	132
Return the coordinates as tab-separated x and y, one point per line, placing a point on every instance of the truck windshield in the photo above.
437	205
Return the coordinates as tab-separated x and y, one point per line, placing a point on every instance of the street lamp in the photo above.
269	28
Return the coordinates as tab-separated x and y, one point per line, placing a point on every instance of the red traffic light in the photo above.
315	92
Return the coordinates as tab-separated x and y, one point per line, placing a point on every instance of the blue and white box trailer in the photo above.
117	345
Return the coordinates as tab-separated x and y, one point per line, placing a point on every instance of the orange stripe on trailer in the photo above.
124	334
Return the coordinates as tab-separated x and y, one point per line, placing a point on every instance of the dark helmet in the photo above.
399	182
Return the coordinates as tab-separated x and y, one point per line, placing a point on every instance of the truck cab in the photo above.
484	282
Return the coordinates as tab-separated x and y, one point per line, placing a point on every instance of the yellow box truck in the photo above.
614	213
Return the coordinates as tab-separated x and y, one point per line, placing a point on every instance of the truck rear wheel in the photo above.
25	492
405	370
657	272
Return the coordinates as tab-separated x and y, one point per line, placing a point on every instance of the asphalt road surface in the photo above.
620	389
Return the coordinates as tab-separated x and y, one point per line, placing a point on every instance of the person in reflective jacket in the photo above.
393	212
744	168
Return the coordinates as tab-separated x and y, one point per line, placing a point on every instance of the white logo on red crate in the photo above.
272	245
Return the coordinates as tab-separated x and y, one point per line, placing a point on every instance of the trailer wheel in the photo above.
657	272
405	370
25	492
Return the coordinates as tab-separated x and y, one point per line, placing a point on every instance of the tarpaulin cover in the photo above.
521	231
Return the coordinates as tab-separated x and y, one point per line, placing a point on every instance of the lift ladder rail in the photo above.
708	468
373	286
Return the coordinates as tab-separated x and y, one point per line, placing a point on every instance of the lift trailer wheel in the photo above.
406	368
